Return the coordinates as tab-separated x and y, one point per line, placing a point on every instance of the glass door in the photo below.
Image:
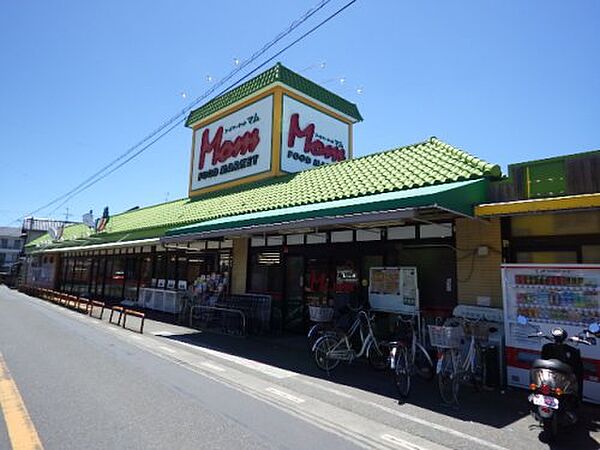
293	310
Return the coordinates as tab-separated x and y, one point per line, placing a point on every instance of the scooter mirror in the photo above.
521	320
594	328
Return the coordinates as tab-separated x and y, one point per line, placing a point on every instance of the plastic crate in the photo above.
445	337
320	313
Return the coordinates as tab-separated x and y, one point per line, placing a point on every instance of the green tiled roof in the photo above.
427	163
277	73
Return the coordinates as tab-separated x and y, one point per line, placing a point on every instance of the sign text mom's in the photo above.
274	132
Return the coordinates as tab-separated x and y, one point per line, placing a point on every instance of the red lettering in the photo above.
314	147
222	151
317	282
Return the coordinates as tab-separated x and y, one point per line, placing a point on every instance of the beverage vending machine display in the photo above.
549	296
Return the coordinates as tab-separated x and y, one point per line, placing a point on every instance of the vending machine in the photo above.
549	295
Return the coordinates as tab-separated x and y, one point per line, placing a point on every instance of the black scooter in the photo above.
556	379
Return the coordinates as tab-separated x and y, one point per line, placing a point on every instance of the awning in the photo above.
108	245
565	203
454	199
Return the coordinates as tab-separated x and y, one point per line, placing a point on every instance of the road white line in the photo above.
285	395
325	388
213	367
265	369
163	333
167	349
438	427
402	443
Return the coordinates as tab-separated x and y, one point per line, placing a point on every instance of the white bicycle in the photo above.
459	361
330	349
409	357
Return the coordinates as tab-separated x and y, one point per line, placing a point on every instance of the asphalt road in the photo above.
88	384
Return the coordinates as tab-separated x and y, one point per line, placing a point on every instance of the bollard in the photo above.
131	312
85	302
114	309
100	305
72	301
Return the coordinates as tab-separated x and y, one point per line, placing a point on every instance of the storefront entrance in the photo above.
293	307
337	274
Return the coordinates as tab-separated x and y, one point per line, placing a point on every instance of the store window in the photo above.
115	277
435	230
100	275
590	254
146	271
225	261
171	275
160	272
182	270
548	257
266	272
369	234
131	277
586	222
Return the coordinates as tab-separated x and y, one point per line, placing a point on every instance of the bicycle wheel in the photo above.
478	374
322	348
378	355
402	372
315	332
423	364
446	383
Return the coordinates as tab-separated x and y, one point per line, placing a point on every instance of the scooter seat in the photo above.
552	364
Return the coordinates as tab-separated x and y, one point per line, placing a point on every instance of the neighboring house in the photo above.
40	269
34	227
11	244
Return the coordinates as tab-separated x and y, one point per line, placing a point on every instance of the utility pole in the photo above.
67	215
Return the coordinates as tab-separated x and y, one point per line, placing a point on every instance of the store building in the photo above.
278	205
549	231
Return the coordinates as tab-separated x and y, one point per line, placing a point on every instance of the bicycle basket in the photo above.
481	331
445	337
320	313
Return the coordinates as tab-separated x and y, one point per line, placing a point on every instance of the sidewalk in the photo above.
498	409
352	397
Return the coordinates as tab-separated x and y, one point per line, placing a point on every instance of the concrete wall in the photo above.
478	275
240	266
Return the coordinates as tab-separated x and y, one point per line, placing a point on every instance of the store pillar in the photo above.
478	260
239	266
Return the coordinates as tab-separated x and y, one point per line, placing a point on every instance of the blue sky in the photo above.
82	81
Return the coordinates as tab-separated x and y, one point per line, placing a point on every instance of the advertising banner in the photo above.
236	146
311	138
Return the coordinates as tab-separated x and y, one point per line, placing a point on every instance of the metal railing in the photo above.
220	319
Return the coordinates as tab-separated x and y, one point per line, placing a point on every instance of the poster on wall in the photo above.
311	138
233	147
394	290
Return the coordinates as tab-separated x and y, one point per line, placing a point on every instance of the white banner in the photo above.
310	138
236	146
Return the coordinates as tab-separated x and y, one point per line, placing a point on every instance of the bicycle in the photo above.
344	321
458	362
408	358
330	349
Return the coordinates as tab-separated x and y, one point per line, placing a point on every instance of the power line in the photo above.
179	118
286	31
